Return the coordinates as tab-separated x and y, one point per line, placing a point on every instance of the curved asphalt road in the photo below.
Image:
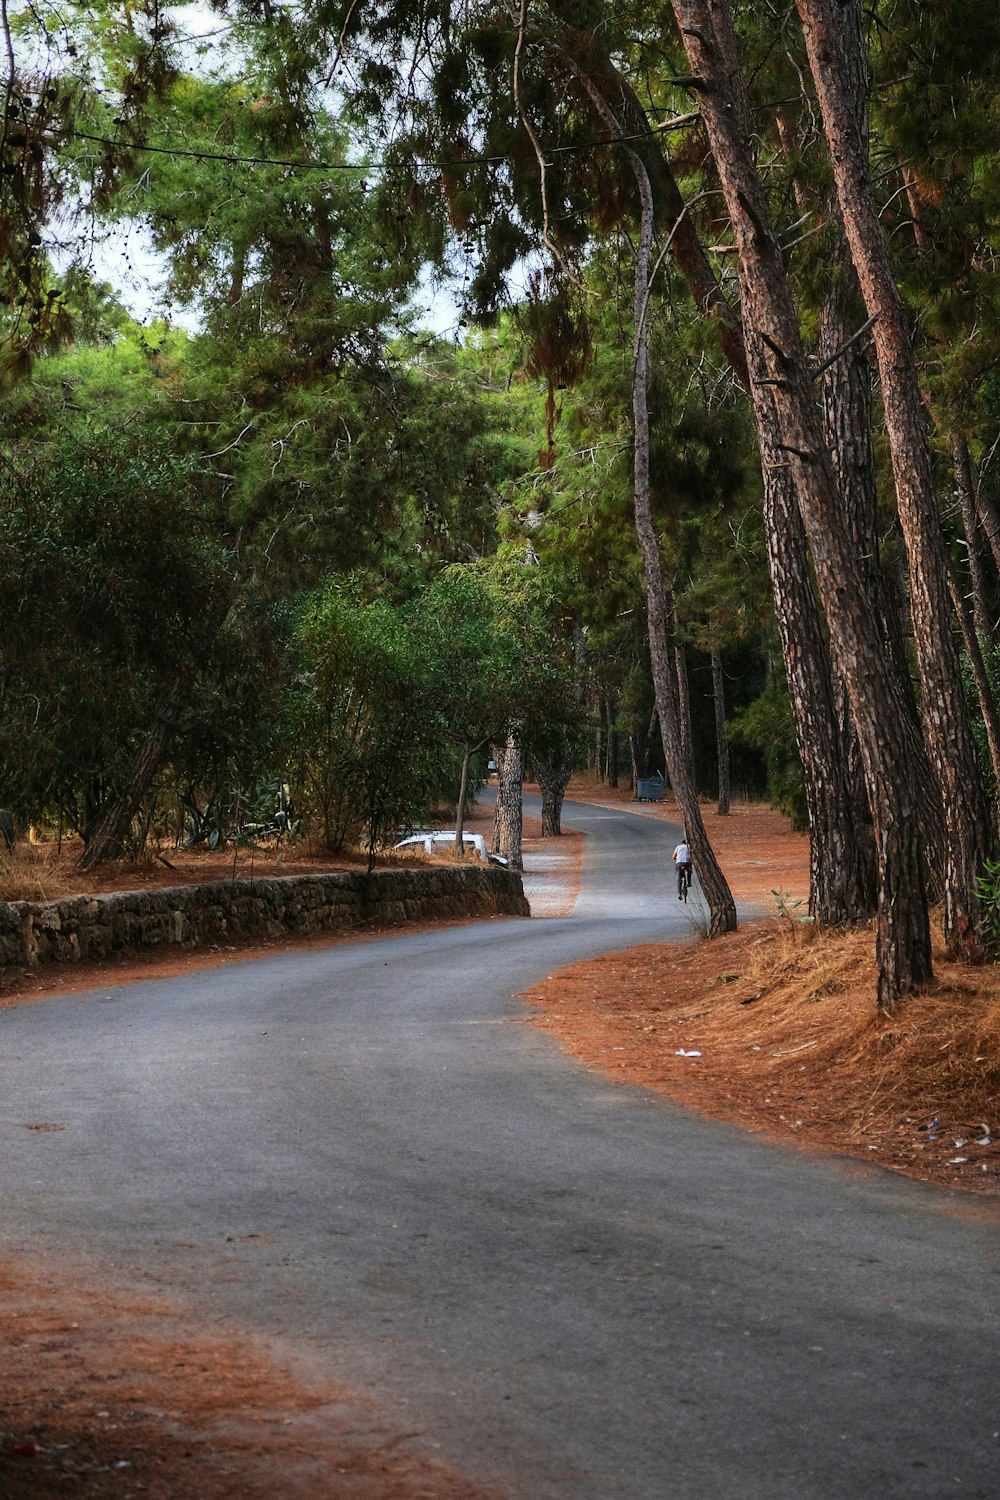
573	1288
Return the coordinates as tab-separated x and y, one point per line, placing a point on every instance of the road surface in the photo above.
575	1289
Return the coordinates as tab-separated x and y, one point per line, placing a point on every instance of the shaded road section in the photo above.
568	1287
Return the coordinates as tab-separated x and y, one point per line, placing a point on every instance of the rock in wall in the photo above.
95	927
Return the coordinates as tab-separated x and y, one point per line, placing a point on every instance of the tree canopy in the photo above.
713	432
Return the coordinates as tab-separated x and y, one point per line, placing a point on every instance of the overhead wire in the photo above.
234	158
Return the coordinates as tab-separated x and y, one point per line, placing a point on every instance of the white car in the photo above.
429	841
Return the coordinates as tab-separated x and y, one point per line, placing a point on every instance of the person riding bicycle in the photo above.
682	860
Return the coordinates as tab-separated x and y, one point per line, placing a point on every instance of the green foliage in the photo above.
389	698
988	890
362	719
766	726
792	910
93	615
471	654
307	431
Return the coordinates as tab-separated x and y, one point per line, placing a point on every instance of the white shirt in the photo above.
682	855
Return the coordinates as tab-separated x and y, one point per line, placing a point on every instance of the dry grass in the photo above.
35	872
939	1054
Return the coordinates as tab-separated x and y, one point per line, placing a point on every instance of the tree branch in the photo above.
838	353
547	240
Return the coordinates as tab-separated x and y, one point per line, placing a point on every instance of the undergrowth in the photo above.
31	872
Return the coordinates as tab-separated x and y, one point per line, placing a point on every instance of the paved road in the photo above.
574	1288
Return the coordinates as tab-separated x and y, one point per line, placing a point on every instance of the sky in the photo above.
127	260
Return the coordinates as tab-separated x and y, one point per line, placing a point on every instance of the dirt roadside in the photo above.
114	1396
774	1027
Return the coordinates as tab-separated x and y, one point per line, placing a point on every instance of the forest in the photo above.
392	387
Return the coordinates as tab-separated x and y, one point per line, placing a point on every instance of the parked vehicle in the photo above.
441	838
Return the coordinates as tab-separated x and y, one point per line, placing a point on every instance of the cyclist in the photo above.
682	860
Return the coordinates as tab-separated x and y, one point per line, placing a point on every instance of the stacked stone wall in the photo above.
205	916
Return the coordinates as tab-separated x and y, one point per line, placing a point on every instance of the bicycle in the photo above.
683	881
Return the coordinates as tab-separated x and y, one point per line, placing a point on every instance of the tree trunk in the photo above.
683	696
721	737
989	517
554	771
946	722
839	894
984	692
651	730
845	403
553	779
463	792
553	766
788	421
507	824
635	756
108	837
845	392
721	906
966	493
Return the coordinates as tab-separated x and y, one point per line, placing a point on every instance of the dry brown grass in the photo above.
938	1055
35	872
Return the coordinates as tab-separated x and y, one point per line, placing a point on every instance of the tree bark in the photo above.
508	822
966	492
108	837
463	792
787	418
553	766
721	736
947	729
683	694
839	894
650	740
553	779
846	407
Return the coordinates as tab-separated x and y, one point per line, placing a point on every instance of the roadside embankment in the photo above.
98	927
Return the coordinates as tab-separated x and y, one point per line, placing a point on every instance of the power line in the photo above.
232	158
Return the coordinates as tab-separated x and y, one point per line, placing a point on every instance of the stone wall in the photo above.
96	927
